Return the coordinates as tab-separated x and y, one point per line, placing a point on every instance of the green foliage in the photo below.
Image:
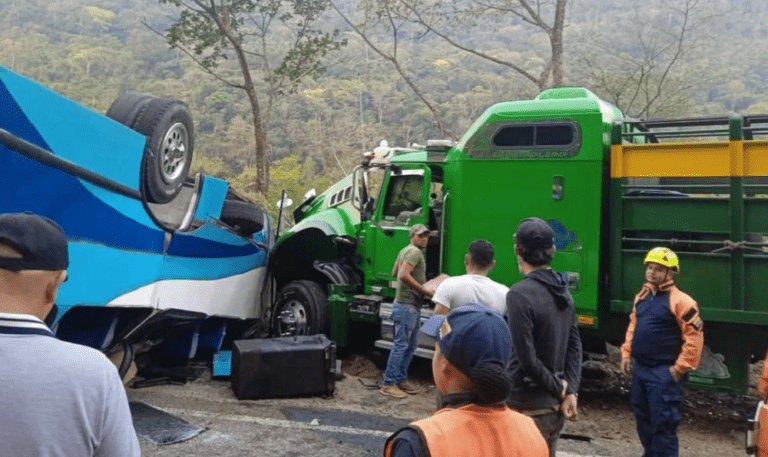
317	128
100	15
304	60
291	174
199	32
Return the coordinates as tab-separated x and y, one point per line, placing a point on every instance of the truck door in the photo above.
403	202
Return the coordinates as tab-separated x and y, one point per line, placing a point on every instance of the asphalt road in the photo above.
295	427
285	427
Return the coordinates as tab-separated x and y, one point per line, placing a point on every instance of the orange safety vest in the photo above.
480	431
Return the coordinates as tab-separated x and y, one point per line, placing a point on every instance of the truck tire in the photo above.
301	309
244	217
168	126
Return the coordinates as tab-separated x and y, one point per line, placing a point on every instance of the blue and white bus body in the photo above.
123	260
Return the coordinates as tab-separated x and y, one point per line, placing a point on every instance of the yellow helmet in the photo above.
663	256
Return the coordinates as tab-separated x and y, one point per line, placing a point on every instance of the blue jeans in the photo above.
406	318
656	401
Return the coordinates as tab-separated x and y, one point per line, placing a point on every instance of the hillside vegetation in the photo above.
670	58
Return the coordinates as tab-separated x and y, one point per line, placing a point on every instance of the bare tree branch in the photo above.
453	43
194	59
392	58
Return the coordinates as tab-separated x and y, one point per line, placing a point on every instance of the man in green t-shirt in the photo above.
410	269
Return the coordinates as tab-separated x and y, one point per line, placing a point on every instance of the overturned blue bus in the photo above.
160	259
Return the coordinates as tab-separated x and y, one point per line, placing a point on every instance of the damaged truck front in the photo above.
610	187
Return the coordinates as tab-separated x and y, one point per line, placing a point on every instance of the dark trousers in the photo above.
550	425
657	403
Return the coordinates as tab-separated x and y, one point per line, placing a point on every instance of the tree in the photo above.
460	25
274	41
385	13
442	17
649	64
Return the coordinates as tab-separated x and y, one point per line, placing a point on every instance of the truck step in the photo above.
420	351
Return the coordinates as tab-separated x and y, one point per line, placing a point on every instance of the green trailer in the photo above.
611	188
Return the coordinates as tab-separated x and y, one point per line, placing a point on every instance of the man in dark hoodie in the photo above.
546	359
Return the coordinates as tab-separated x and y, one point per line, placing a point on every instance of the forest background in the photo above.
401	77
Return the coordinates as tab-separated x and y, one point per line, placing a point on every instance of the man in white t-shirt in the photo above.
475	286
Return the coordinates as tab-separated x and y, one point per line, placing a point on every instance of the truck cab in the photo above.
544	157
610	187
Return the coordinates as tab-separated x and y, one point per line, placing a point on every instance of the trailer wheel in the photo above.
244	217
301	309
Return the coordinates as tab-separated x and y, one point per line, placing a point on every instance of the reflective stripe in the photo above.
22	324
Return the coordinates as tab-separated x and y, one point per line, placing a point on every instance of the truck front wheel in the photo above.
301	309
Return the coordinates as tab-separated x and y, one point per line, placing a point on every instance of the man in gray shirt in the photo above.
58	398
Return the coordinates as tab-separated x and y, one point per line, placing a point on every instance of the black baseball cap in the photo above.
533	234
41	242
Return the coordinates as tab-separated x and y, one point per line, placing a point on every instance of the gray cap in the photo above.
418	229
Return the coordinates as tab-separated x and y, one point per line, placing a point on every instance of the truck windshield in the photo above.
403	194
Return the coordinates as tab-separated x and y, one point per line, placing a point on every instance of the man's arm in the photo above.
441	300
626	348
573	359
521	326
686	312
572	372
405	275
441	309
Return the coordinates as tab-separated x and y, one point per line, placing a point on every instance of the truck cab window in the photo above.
404	193
535	135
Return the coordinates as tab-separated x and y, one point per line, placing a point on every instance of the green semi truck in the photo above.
611	188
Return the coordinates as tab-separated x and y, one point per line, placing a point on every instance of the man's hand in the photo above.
568	407
625	365
565	388
675	375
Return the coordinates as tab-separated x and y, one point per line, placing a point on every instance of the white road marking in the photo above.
300	425
277	422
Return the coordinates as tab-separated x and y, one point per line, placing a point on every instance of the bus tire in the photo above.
169	129
245	218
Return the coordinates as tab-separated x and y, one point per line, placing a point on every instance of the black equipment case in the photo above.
283	367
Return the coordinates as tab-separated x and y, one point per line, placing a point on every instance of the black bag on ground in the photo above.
283	367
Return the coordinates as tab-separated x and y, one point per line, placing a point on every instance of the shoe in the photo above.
409	388
392	391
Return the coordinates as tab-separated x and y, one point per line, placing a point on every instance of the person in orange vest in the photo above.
472	350
665	337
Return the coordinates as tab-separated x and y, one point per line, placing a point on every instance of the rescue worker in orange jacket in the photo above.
469	368
665	338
